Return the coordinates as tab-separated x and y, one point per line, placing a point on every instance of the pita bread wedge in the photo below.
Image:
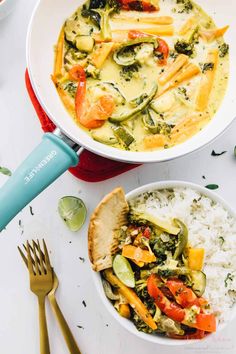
105	222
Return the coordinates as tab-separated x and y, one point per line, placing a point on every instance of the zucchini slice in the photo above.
104	139
150	123
125	112
123	135
198	279
182	238
125	55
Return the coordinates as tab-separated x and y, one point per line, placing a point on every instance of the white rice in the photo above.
210	227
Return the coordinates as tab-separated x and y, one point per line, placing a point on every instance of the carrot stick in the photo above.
207	81
132	299
210	35
138	254
187	26
101	53
186	73
170	71
159	20
59	54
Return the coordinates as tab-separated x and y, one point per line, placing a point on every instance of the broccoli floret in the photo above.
71	88
99	12
184	47
186	6
207	66
140	325
224	50
128	72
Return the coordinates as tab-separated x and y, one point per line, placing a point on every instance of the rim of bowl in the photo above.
125	323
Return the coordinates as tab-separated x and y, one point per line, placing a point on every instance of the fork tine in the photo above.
30	260
43	270
47	259
37	248
36	261
23	256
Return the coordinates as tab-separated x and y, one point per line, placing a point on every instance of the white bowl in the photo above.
127	324
6	7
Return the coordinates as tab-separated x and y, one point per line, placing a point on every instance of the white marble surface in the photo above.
19	133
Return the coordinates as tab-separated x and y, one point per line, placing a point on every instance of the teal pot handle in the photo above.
51	158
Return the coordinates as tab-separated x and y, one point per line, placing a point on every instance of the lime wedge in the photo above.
73	211
123	270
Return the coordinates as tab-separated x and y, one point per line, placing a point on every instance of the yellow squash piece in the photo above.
155	141
188	127
138	254
186	73
132	299
207	81
167	30
68	101
59	54
157	20
196	258
187	26
212	34
173	68
101	53
124	310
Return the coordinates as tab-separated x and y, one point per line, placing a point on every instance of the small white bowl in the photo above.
127	324
6	7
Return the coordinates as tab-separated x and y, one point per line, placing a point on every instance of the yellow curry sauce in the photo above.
157	103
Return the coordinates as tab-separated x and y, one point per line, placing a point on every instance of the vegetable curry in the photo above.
141	75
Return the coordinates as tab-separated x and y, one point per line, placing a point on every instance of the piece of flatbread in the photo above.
105	222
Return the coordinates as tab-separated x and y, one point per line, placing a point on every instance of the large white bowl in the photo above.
44	28
127	324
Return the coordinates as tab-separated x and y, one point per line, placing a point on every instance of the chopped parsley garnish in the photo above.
229	278
184	47
71	88
224	50
128	72
5	171
213	153
186	6
212	186
222	240
207	66
183	92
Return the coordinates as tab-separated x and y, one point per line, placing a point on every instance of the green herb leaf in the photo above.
229	277
235	151
5	171
212	186
213	153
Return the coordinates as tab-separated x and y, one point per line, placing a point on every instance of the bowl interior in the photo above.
97	278
40	59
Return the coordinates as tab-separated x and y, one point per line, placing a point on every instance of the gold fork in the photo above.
68	336
41	282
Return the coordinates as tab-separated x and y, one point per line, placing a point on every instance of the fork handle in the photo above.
68	336
44	341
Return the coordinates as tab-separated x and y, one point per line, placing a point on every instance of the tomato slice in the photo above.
138	5
147	232
183	295
171	309
197	335
90	115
